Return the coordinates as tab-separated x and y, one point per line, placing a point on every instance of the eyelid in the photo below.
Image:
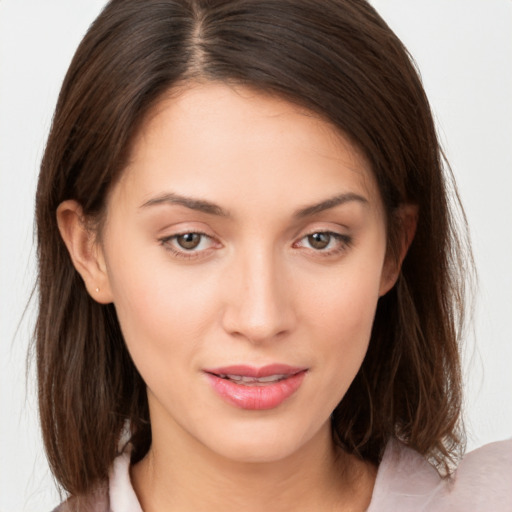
165	241
345	241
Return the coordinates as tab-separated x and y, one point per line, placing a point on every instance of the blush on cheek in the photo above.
350	323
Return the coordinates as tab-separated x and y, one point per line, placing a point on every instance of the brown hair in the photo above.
337	58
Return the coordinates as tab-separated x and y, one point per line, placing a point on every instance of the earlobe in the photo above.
408	220
86	254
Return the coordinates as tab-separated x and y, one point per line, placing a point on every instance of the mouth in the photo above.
253	388
253	381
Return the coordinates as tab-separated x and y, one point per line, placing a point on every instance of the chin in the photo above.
264	443
257	452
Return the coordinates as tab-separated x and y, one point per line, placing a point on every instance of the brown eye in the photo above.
319	240
190	245
189	241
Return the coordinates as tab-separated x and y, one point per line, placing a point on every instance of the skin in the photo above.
256	290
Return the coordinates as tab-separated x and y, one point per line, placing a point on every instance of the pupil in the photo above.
319	240
189	240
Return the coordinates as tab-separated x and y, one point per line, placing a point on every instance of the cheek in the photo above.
342	315
345	299
161	310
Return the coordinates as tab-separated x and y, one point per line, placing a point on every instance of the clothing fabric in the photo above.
405	482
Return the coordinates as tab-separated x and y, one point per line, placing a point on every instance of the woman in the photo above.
249	284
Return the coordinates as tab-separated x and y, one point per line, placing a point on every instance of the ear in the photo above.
408	220
85	251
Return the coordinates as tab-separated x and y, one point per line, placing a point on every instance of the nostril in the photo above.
258	306
257	328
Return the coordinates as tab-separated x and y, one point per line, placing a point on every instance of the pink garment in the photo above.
405	482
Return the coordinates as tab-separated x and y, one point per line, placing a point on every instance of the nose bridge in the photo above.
259	307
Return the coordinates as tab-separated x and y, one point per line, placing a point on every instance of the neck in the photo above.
186	476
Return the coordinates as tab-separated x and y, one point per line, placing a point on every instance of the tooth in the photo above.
244	379
271	378
255	380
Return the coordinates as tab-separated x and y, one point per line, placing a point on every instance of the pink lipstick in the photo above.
253	388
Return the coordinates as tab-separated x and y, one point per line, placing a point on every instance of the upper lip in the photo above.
256	372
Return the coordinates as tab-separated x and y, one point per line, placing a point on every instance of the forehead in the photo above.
218	139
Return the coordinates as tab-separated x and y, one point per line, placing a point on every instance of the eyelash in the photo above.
166	242
344	242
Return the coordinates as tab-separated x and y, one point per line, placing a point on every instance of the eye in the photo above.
189	241
188	245
325	242
319	240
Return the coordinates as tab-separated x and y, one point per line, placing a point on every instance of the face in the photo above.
244	250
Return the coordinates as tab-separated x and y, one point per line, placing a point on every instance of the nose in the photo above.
259	305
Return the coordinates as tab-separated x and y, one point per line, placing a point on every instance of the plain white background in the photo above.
464	51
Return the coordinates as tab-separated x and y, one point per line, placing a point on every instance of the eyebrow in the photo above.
329	203
213	209
189	202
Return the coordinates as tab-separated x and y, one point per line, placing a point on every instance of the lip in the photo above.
253	371
256	396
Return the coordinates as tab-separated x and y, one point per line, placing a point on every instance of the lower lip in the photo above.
256	397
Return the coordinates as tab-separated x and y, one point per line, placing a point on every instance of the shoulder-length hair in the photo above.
336	58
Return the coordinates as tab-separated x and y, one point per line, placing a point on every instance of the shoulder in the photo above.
97	501
483	480
116	495
407	482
